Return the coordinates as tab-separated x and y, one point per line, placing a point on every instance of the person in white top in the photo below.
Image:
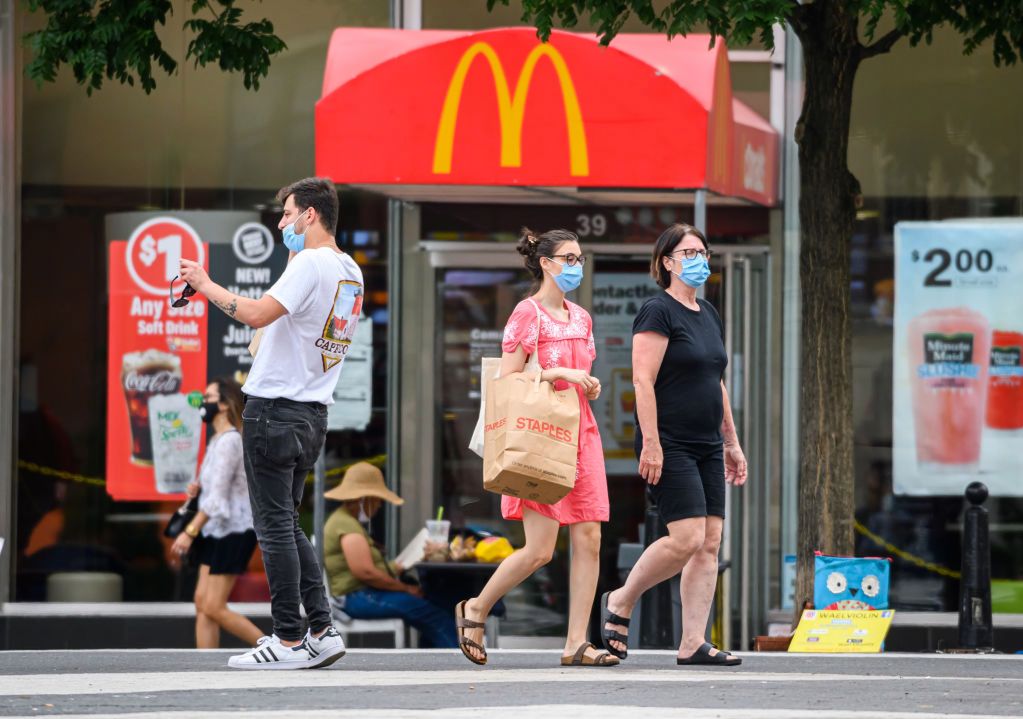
310	315
222	528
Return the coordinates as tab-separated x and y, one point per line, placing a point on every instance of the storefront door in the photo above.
475	287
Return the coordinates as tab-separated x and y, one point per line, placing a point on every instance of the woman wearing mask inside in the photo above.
362	583
222	528
562	333
685	442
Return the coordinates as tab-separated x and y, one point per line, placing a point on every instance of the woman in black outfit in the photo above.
686	444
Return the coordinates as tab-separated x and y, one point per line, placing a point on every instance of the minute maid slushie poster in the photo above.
958	357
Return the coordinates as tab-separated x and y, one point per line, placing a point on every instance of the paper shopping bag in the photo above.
530	438
491	366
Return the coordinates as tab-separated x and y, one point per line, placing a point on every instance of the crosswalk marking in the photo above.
136	682
536	711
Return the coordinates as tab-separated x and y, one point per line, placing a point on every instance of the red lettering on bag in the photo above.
495	425
551	430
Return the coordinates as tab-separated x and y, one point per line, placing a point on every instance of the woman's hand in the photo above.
594	393
181	545
651	461
192	490
588	382
414	589
735	465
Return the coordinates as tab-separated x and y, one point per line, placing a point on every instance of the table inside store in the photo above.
447	583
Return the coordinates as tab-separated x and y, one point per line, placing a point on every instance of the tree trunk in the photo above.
827	208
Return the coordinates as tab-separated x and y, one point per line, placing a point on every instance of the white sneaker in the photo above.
325	649
269	653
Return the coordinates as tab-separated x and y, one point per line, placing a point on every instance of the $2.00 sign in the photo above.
958	343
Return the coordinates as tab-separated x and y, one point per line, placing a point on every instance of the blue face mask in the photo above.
695	271
570	278
292	240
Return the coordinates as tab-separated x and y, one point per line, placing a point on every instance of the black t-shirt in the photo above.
688	385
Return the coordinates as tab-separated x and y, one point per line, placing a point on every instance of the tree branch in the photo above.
881	46
797	18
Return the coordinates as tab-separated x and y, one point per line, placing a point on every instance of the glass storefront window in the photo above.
920	156
199	142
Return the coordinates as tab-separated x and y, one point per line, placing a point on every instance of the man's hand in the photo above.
194	274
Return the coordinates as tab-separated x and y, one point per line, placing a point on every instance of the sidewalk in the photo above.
387	684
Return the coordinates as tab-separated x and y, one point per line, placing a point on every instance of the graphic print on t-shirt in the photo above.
340	327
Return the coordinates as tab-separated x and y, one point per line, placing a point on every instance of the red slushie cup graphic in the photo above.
1005	387
949	351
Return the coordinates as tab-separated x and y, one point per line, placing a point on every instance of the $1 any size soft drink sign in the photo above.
958	377
155	350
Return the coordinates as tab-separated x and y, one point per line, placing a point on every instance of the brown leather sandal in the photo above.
603	659
464	643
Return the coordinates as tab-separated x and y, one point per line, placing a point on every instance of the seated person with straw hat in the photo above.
363	584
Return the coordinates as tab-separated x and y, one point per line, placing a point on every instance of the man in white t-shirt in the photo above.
310	315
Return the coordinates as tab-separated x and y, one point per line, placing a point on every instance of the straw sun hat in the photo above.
363	480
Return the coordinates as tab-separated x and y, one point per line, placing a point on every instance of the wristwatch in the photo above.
192	531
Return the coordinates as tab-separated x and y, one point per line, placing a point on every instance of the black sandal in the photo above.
464	643
704	657
610	635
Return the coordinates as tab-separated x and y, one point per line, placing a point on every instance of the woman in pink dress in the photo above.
564	338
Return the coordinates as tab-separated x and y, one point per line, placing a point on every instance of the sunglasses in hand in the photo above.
185	294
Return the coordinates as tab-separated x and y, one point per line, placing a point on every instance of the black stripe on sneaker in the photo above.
255	655
272	654
312	652
262	653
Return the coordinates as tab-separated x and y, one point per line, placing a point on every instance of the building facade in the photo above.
935	135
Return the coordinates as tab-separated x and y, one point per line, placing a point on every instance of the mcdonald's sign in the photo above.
498	108
511	108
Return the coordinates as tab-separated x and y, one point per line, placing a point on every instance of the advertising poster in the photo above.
247	265
958	378
617	297
155	350
841	632
353	394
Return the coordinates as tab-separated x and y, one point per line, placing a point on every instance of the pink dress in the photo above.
564	344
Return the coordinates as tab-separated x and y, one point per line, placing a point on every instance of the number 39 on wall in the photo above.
590	225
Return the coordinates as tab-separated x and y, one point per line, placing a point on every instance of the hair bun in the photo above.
527	243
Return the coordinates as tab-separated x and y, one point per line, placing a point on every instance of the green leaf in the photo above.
117	40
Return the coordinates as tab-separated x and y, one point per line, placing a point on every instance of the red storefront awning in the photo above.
499	109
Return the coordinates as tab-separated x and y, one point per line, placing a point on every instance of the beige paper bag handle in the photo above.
256	339
534	359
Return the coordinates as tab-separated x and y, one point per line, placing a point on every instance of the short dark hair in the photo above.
532	247
318	193
666	244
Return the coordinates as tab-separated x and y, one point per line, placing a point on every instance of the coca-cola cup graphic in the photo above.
144	374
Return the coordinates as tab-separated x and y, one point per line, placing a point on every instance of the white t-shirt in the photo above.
301	353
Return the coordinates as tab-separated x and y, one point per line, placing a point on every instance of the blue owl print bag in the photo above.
850	582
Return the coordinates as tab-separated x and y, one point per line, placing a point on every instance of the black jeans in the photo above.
282	440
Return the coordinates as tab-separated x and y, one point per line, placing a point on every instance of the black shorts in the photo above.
692	483
227	555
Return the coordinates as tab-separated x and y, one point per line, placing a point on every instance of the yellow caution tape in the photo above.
902	554
61	474
378	460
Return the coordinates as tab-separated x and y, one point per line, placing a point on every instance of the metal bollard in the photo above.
975	629
656	630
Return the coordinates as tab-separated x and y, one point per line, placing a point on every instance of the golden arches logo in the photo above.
511	108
